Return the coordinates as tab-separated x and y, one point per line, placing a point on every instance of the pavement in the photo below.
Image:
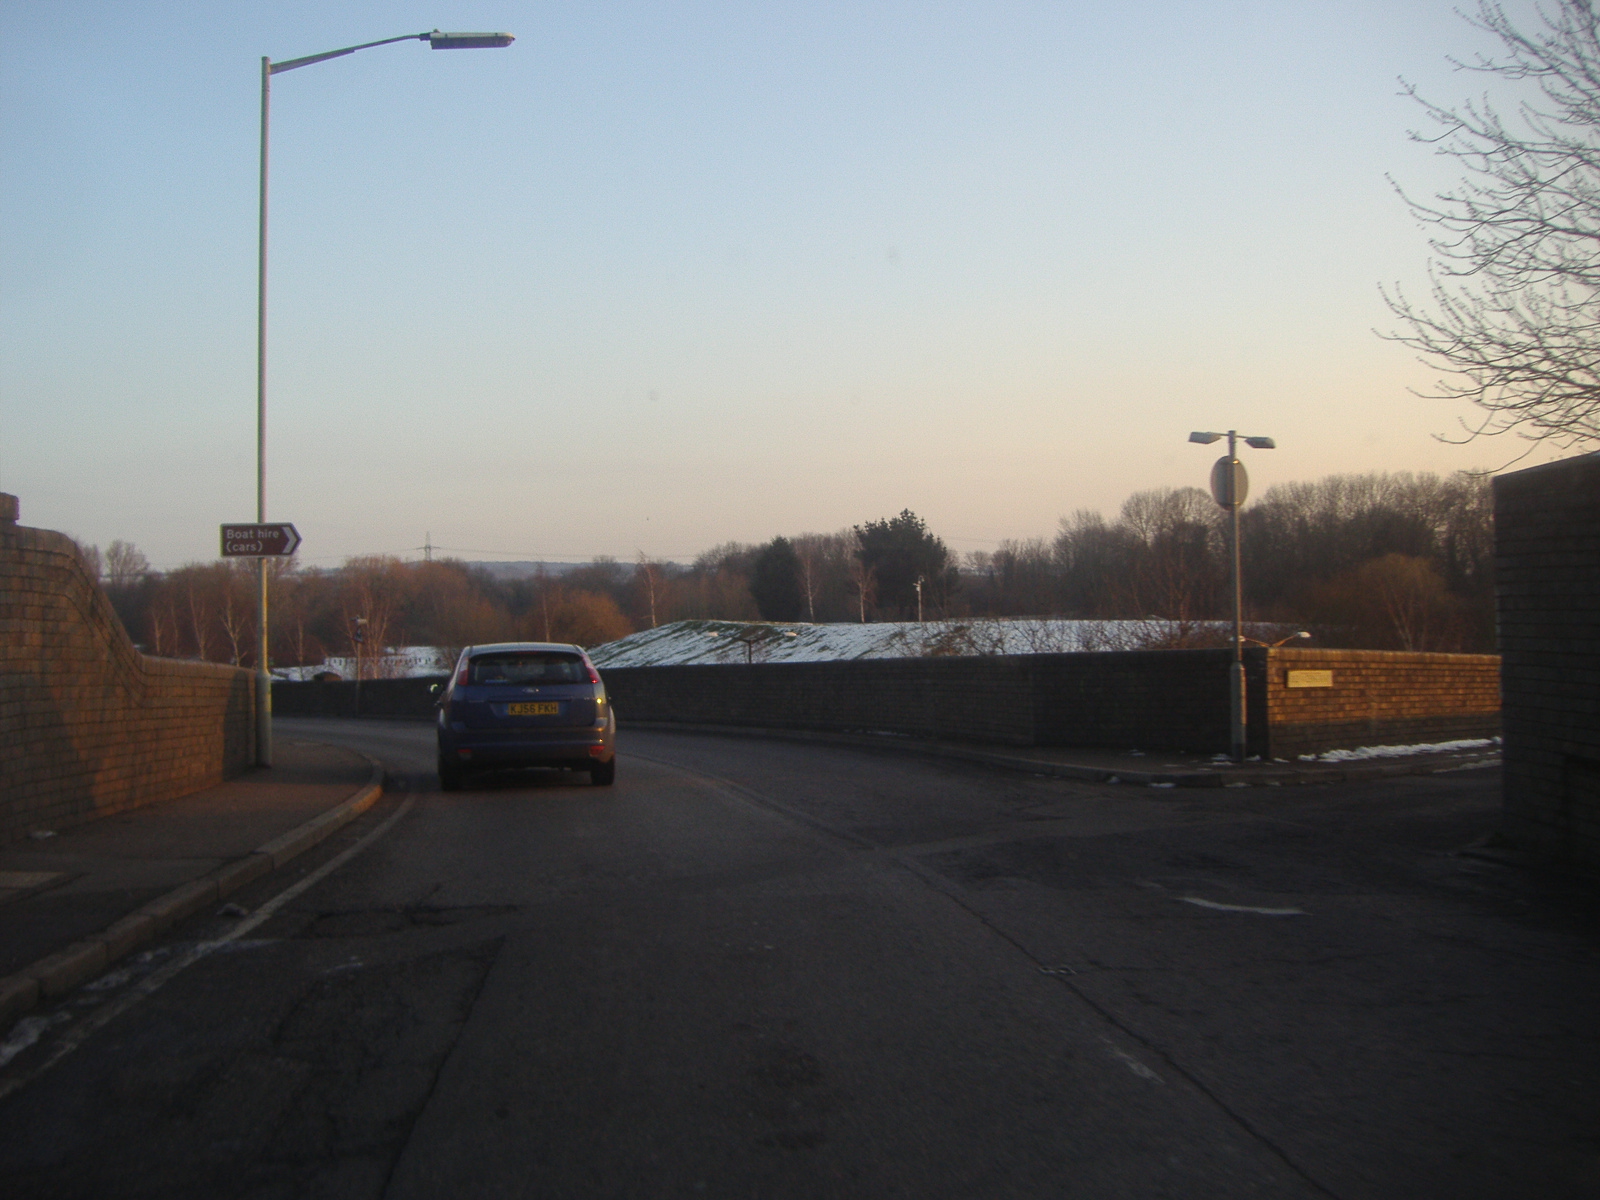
76	900
1155	768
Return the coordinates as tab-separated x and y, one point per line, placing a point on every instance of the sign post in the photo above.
261	541
1229	486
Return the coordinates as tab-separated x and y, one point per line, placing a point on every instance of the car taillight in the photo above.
594	676
462	676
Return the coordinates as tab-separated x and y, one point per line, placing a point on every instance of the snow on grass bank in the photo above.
685	642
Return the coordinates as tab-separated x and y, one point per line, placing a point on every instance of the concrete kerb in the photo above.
1249	775
66	969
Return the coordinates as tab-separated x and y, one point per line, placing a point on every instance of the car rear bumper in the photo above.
486	749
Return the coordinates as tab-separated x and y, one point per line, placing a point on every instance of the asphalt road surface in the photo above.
769	969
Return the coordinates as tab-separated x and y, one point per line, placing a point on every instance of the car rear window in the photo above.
529	667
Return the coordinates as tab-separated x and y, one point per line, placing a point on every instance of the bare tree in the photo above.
199	620
288	615
233	612
164	629
582	617
1093	557
865	579
125	564
1516	281
826	568
1409	593
1176	572
808	553
370	585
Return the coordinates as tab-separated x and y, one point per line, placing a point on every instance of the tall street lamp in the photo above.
438	41
1229	485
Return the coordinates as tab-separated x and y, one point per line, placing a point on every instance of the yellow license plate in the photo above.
541	708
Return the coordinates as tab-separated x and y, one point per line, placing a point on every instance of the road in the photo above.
768	969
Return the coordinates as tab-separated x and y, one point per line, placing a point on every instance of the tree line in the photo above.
1379	561
1382	561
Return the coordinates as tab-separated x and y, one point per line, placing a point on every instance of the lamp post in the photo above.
1281	641
438	41
752	634
1229	485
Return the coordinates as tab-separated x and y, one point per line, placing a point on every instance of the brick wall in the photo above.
1547	585
88	725
1376	698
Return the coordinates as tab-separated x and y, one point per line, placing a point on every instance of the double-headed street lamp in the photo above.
438	41
1229	485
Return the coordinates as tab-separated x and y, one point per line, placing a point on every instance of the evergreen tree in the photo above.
899	552
775	582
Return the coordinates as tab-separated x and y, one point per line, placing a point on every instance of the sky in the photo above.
661	276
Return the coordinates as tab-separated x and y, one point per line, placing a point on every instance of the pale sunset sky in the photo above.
660	276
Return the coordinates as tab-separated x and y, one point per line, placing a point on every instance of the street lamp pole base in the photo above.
263	719
1236	721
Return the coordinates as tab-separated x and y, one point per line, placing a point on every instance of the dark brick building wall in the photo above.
88	725
1547	585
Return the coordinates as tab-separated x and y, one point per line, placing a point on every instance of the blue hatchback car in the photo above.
525	704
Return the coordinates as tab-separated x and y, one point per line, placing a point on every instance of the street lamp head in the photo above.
1261	443
468	41
1205	439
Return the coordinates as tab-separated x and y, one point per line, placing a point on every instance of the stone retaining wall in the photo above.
1140	699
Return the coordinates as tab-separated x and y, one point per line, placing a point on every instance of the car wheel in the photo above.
604	774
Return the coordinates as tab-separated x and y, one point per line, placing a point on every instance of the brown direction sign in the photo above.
258	541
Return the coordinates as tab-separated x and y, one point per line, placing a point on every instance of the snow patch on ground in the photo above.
684	642
1366	752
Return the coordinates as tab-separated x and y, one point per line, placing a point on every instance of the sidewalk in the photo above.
1173	769
74	901
1157	768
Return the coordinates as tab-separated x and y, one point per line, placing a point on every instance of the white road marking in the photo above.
153	982
1132	1063
1245	908
28	1031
